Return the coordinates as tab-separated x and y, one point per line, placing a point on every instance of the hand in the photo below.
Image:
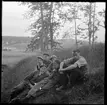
40	88
35	83
61	69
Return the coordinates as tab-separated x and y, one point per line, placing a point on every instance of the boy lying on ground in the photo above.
44	84
30	80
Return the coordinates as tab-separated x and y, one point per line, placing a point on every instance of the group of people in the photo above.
51	73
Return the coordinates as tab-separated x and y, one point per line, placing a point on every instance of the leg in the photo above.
63	81
18	89
35	88
74	76
49	85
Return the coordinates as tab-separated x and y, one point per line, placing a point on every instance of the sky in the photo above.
13	23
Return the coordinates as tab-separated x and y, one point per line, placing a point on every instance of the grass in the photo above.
95	85
24	63
20	65
12	57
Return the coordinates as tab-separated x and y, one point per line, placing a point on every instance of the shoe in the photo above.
15	100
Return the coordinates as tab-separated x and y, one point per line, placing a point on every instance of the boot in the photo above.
15	100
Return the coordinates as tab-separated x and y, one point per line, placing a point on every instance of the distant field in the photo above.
12	57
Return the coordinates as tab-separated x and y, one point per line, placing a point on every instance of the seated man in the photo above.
74	68
36	76
46	83
52	58
46	59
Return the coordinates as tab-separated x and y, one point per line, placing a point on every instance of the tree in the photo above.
91	22
42	47
45	25
102	14
51	31
72	15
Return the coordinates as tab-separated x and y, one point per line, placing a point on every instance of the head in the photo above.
40	60
53	58
76	53
56	64
46	56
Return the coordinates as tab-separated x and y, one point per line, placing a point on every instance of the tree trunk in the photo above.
42	46
93	23
75	27
89	25
76	34
51	27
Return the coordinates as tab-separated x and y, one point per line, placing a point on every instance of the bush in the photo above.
95	57
95	85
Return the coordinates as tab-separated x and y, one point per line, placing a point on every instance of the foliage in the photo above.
92	21
95	57
54	17
95	83
78	94
50	24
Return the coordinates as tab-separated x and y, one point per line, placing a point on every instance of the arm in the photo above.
70	67
51	75
48	73
49	68
61	65
66	62
79	63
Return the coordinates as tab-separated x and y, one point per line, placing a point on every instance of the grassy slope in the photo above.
25	66
19	67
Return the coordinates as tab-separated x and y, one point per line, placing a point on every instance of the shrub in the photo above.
95	57
95	85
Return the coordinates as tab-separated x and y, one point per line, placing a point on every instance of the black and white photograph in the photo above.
53	52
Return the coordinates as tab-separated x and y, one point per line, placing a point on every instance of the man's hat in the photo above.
53	56
39	57
46	54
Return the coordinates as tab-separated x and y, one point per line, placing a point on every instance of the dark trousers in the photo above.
72	76
63	80
18	89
